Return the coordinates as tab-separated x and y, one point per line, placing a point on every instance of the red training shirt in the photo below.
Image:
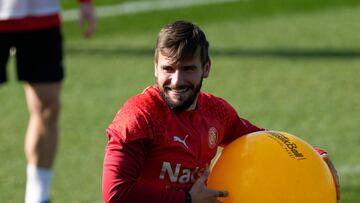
154	154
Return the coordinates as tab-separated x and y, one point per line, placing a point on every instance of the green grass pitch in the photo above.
292	66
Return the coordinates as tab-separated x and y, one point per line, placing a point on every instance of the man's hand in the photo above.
333	172
87	18
201	194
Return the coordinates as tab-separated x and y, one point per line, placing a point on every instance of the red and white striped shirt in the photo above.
24	15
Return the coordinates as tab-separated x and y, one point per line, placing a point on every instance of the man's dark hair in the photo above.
180	40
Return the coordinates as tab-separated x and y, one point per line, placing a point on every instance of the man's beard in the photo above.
182	105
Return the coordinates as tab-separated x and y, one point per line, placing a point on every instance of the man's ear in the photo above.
155	69
207	68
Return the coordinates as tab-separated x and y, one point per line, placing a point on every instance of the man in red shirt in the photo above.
31	29
162	141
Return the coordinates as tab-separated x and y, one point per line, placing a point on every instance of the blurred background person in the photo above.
31	29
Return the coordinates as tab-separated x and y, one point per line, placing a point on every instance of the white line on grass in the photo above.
349	169
141	6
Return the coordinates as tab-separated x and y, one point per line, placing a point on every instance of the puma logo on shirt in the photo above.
178	139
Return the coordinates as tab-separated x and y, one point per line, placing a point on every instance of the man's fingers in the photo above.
223	194
204	176
334	173
87	18
218	193
91	28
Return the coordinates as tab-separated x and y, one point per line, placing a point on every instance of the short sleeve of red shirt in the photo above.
131	123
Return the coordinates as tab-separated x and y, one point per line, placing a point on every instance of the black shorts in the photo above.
39	55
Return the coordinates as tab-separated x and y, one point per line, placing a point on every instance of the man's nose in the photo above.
177	78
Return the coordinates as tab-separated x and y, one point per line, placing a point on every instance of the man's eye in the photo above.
189	68
167	69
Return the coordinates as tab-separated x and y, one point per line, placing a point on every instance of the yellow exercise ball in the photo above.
272	167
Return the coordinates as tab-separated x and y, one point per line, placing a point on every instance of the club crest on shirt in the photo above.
213	137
